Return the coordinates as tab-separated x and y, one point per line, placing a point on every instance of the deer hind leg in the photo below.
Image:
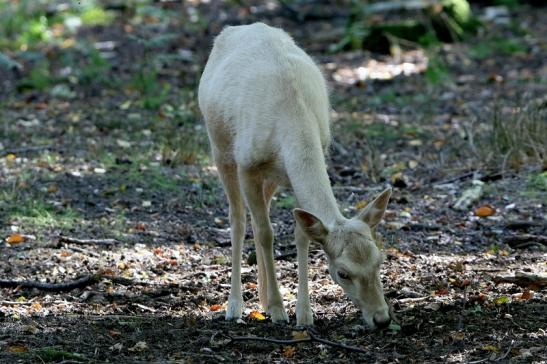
254	192
228	175
268	189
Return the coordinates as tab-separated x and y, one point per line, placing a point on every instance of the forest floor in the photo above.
110	146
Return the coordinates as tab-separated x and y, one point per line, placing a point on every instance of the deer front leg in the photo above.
304	316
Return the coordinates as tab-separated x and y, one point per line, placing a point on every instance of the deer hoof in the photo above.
278	314
233	312
304	316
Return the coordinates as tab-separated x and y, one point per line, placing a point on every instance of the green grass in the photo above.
32	212
497	46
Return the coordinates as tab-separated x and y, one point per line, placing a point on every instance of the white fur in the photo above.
266	107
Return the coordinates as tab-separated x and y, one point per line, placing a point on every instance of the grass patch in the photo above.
497	46
518	138
51	354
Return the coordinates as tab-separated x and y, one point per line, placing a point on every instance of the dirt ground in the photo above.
103	163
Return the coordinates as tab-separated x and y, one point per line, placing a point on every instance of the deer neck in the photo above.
307	173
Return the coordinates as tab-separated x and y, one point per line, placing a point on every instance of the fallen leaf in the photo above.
52	188
10	157
215	307
289	351
36	306
490	348
502	300
256	315
441	292
15	239
361	204
458	336
16	348
526	295
485	211
251	285
65	254
300	335
140	226
114	333
140	346
158	251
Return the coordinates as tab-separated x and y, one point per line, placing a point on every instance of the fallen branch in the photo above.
525	240
311	338
66	239
55	287
524	224
523	280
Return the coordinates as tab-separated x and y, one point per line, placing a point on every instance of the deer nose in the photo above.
382	323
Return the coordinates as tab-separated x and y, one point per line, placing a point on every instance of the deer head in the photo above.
353	256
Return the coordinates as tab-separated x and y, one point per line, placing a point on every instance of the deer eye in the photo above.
343	275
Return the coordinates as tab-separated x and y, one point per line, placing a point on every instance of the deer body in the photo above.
266	109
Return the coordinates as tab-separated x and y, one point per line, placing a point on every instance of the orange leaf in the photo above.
158	251
114	333
441	292
527	295
485	211
65	254
289	351
215	308
250	285
37	306
140	226
15	239
255	315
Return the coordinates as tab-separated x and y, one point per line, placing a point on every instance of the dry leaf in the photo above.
490	348
441	292
251	285
485	211
526	295
114	333
65	254
289	351
15	239
10	157
36	306
300	335
16	348
256	315
215	307
361	204
458	336
140	346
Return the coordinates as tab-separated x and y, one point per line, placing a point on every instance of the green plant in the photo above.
96	70
39	78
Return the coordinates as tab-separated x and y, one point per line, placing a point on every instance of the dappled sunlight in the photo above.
409	63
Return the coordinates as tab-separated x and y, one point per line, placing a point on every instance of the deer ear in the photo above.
312	226
372	213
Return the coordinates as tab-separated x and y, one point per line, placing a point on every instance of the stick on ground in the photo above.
311	338
66	239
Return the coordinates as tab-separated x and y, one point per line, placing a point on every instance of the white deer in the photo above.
266	107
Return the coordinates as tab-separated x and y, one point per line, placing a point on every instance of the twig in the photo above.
66	239
84	251
517	241
28	149
522	279
311	338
